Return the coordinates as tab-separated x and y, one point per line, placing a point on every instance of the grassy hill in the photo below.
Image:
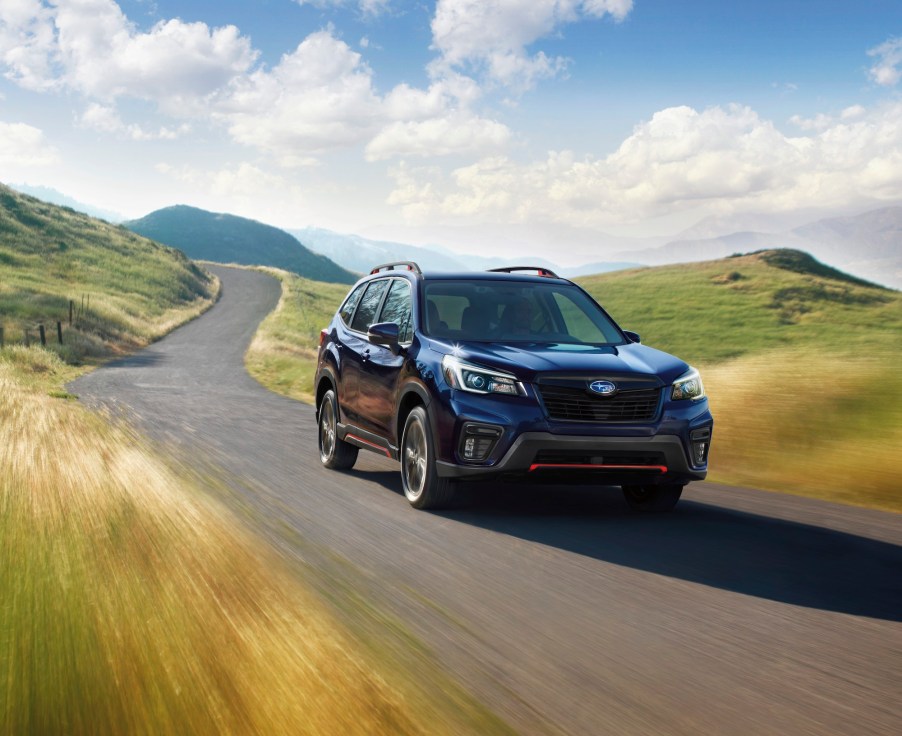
799	361
128	290
210	236
715	310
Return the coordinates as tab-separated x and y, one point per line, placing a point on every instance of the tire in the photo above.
334	453
653	499
423	487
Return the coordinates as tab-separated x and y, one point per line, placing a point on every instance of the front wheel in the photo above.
653	498
424	488
334	453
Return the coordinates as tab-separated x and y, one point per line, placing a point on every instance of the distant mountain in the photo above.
361	254
226	238
868	245
54	196
357	253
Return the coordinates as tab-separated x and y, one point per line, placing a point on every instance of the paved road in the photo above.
742	612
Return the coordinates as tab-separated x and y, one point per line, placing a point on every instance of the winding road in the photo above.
743	612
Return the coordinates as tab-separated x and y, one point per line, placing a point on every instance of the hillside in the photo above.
224	238
715	310
868	245
799	362
128	290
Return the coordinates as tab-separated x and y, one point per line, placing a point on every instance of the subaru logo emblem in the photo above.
602	387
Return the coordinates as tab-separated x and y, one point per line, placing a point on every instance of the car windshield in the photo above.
515	311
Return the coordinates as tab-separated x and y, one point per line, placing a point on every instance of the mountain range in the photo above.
866	244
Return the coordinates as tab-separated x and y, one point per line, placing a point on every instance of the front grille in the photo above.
577	404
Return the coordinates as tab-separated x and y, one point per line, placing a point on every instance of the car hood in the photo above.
528	360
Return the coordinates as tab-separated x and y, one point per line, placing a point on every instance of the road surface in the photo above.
742	612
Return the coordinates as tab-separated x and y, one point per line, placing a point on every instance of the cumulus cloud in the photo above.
25	145
435	121
316	98
440	136
492	38
91	47
27	43
681	159
888	69
106	119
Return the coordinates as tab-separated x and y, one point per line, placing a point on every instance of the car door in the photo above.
357	349
380	371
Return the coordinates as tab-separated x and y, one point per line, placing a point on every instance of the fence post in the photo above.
27	338
59	332
43	335
71	304
1	338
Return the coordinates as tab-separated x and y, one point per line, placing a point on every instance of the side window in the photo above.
366	312
397	309
347	309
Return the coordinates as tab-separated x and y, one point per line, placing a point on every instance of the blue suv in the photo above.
510	373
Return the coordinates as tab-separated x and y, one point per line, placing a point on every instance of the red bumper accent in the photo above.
592	466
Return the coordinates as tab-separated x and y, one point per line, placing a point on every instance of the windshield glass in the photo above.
511	311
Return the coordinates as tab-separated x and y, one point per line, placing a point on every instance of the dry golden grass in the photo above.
130	603
811	423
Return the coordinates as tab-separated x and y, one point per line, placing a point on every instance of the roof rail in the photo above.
548	273
409	265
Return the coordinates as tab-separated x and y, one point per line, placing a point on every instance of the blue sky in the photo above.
452	121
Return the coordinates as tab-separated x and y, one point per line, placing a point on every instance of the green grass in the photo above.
127	290
283	354
716	310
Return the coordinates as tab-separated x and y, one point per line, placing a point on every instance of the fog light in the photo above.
478	441
700	441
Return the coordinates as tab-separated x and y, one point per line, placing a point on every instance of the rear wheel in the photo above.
653	498
424	488
334	453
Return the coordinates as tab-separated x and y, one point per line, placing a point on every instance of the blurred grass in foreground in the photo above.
827	425
130	603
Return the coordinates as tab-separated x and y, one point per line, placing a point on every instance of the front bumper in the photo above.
543	454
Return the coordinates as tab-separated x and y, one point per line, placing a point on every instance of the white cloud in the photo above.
437	121
24	145
679	160
317	98
888	69
440	136
243	180
90	46
366	7
27	43
106	119
492	37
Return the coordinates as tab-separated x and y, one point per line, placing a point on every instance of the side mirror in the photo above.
632	336
385	333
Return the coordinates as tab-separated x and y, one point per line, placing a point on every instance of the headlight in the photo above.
688	386
479	380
